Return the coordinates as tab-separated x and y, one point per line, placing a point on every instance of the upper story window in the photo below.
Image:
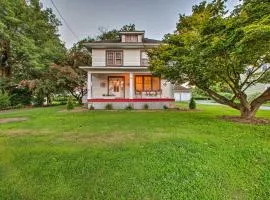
144	59
131	38
114	58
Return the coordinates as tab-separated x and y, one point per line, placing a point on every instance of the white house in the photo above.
119	74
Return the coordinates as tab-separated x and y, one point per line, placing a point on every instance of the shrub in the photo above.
20	96
60	99
70	103
192	104
145	107
165	107
4	101
18	106
109	107
38	100
92	107
129	107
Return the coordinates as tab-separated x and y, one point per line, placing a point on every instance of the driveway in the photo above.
203	102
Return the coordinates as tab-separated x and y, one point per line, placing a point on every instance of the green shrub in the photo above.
70	103
165	107
192	104
38	100
18	106
129	107
60	100
109	107
20	96
4	101
145	107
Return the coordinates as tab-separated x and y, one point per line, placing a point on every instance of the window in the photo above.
131	38
147	83
114	58
144	59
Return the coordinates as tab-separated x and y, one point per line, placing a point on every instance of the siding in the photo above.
132	57
98	57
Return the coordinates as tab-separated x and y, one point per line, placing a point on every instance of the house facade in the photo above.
119	74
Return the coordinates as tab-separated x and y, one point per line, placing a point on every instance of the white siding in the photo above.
167	89
123	38
140	38
132	57
182	96
98	57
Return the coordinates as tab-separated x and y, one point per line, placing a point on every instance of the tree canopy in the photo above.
29	40
212	47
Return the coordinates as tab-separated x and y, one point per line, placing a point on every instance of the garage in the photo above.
182	93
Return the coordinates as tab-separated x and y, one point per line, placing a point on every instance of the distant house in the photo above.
119	74
182	93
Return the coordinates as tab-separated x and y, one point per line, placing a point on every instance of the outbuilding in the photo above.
181	93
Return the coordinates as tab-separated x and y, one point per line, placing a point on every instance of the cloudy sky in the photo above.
156	17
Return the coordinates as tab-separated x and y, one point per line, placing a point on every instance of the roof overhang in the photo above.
131	32
104	70
126	45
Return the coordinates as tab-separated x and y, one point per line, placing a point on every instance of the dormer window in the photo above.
131	38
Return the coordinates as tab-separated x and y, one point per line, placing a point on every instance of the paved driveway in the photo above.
213	103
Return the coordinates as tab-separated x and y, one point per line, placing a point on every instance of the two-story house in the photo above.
119	74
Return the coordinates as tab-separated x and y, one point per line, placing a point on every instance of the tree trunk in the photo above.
248	113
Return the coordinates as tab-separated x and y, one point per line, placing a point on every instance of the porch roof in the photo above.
114	69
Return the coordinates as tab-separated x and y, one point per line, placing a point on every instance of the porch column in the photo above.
131	86
89	85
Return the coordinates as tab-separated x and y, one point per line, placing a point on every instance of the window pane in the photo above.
131	38
147	83
139	83
114	58
156	83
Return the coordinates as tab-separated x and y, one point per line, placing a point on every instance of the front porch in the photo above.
128	89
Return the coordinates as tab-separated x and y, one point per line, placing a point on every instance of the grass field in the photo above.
133	155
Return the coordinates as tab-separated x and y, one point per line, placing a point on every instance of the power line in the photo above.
70	29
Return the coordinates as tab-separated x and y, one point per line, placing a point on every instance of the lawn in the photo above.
133	155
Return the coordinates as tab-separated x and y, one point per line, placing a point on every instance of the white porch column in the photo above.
131	85
89	85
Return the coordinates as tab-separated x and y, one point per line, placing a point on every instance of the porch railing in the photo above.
148	93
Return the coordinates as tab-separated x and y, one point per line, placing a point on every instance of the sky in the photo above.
85	17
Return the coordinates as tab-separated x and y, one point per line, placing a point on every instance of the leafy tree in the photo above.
70	79
114	33
211	48
29	39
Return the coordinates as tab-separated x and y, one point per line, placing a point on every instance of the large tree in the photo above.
29	40
212	48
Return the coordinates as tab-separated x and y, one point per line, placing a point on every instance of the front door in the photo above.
116	86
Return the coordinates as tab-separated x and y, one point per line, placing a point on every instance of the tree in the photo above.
114	33
211	48
29	41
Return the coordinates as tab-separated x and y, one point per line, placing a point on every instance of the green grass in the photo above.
133	155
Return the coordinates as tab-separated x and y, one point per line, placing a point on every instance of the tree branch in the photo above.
254	81
221	99
264	97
